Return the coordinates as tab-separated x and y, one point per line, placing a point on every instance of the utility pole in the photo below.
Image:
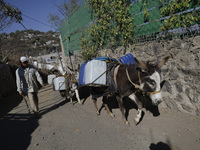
60	60
69	45
71	60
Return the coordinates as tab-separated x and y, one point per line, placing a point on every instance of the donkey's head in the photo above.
74	72
150	79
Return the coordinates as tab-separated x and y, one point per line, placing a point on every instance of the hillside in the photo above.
27	42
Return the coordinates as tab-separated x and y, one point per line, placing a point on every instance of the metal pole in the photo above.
69	44
71	60
60	60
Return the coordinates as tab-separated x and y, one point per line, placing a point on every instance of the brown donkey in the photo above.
131	79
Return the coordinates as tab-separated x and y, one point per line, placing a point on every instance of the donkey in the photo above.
132	79
71	79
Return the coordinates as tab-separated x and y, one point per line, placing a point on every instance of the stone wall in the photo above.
7	82
181	90
181	73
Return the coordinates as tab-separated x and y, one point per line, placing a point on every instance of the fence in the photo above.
72	28
150	29
146	28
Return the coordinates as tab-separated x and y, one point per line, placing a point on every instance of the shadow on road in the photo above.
8	102
53	107
167	145
129	105
159	146
16	129
84	93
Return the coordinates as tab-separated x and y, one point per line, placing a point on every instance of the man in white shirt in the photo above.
26	79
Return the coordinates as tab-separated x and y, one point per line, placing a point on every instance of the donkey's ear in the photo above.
141	64
162	62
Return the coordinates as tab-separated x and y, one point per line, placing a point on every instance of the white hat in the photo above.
23	59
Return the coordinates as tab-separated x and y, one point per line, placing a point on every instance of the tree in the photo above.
112	27
42	42
65	8
9	14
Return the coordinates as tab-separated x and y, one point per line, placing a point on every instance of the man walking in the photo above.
26	79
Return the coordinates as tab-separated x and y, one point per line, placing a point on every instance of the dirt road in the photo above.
64	126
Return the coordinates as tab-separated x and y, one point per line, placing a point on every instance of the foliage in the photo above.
175	19
112	24
87	53
9	14
19	43
146	14
42	42
65	8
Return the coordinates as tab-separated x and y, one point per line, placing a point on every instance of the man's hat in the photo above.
23	59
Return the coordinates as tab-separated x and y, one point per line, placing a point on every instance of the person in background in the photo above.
27	78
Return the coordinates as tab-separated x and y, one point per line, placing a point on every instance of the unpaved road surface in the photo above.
63	126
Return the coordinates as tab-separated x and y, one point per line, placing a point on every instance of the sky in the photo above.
36	9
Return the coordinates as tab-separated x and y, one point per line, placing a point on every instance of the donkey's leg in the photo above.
70	96
106	106
95	106
121	107
77	96
139	105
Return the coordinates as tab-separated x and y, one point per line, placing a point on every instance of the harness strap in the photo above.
153	92
72	79
137	86
115	75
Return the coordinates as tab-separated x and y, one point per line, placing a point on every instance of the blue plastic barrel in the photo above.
105	58
128	59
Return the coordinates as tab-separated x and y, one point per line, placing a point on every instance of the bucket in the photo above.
50	78
59	83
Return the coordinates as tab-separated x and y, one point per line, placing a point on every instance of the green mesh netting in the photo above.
145	28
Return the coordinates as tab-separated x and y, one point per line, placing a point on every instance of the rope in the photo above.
117	60
153	92
101	75
137	86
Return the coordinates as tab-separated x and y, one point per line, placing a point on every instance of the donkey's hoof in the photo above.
136	120
112	115
127	123
98	113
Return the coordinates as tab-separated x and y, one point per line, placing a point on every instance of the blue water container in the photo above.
81	80
128	59
106	58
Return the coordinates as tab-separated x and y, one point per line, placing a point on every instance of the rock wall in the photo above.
181	73
181	90
7	82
